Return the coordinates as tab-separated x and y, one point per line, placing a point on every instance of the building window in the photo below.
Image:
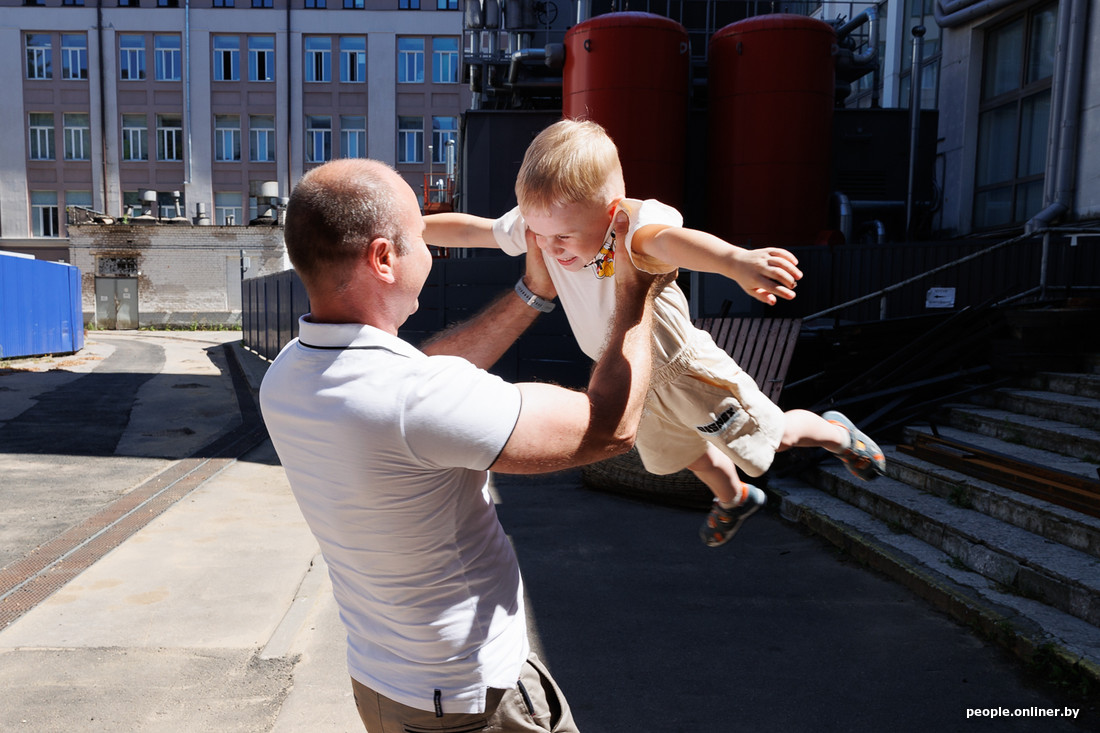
223	3
318	58
353	59
261	58
166	55
169	137
74	56
353	136
135	137
410	60
408	4
227	208
77	3
315	4
131	57
121	266
446	4
261	138
1014	119
44	214
82	199
444	129
262	4
227	58
354	4
410	139
41	132
227	137
318	138
129	3
39	56
168	3
445	60
78	136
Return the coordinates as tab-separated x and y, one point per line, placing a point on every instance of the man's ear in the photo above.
381	256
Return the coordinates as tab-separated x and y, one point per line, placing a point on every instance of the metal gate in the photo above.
116	303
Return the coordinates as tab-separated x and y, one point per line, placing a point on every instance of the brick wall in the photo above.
184	274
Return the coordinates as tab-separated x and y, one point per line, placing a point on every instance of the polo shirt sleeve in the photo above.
510	232
459	416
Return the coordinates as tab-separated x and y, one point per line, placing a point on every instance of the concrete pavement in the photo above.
211	609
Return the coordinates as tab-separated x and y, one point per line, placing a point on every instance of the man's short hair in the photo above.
569	162
336	210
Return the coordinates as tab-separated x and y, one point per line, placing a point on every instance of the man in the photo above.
387	449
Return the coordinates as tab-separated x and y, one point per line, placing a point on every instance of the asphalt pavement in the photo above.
155	575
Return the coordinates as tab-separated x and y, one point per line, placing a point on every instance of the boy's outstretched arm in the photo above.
453	229
766	274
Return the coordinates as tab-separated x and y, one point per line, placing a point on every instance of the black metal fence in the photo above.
457	288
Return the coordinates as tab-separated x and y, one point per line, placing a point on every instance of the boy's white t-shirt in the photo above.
589	298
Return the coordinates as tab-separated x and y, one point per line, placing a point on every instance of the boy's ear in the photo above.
613	205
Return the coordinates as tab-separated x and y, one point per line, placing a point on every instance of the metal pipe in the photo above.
914	122
870	16
187	86
1066	107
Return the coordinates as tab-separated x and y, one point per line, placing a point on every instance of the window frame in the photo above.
226	54
132	134
38	58
317	60
130	56
41	131
258	135
169	138
77	136
410	139
315	135
227	138
81	54
410	59
167	61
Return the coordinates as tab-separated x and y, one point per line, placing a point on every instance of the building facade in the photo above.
212	109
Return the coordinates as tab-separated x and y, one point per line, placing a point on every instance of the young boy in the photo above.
703	412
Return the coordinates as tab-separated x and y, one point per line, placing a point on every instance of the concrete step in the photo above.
1051	521
1023	625
1018	430
1067	408
1081	385
1018	560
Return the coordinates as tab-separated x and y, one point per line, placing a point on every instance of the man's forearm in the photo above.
485	337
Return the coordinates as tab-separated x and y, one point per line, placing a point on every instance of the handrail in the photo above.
954	263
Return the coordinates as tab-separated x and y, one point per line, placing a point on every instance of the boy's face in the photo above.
572	234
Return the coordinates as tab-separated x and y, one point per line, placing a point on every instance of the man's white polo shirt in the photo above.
387	450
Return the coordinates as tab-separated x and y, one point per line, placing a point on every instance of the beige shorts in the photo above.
701	399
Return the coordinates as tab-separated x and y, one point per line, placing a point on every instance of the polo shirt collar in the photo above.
345	335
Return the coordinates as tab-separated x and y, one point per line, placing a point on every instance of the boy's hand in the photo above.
768	273
537	277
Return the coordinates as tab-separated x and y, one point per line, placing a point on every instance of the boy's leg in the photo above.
734	502
835	433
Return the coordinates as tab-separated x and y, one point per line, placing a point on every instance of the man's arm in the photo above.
560	428
484	338
453	229
765	274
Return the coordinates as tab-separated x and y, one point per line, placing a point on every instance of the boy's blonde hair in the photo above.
569	162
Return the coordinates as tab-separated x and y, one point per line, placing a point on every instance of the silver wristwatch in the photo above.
539	304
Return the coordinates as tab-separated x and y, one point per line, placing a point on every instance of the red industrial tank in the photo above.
771	81
630	72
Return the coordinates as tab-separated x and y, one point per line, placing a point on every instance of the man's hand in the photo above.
537	277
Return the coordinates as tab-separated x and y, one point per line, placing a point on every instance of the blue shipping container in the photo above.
40	308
